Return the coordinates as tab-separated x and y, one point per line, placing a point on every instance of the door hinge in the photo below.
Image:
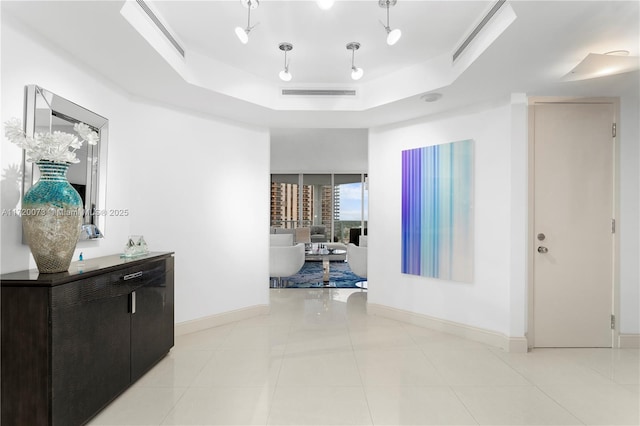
613	130
613	322
613	226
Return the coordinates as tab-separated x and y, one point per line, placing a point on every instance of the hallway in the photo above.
319	359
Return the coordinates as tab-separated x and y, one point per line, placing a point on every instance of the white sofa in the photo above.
310	234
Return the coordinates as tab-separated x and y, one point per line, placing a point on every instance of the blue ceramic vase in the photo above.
52	213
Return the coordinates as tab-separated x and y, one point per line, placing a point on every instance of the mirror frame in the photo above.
95	193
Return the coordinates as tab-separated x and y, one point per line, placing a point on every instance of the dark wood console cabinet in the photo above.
73	341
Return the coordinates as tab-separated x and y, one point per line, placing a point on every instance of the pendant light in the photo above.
356	73
392	35
285	75
243	33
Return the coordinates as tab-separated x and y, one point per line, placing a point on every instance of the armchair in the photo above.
357	260
318	234
285	261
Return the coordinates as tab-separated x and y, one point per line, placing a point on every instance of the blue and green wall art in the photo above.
437	211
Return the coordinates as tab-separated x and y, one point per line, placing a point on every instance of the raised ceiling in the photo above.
319	38
529	51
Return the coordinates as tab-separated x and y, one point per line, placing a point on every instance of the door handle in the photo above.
132	276
133	302
542	249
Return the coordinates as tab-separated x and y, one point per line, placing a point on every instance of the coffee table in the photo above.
325	255
332	251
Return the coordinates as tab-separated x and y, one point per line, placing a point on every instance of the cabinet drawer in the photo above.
114	284
149	274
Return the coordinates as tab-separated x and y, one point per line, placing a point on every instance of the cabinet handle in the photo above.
132	276
133	302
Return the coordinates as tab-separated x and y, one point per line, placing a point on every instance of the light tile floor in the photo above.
319	359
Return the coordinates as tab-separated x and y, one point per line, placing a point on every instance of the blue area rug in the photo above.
310	276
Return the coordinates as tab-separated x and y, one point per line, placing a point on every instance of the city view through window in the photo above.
337	202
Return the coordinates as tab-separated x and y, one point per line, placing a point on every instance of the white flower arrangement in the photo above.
58	147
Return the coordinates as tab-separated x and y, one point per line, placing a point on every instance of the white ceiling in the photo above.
225	78
319	38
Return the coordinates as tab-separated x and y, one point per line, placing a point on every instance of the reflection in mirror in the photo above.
48	112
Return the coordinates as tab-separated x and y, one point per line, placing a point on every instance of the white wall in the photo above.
497	299
484	303
203	192
194	185
319	150
27	59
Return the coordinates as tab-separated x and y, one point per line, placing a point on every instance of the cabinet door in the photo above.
90	347
152	318
24	351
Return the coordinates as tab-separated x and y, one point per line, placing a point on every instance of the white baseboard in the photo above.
216	320
492	338
628	341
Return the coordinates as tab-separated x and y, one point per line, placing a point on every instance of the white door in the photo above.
573	252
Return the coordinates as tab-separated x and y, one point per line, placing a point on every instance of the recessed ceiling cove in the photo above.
249	69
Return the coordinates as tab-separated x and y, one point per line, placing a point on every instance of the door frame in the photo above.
615	287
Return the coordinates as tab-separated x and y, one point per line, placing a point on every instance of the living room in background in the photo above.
331	205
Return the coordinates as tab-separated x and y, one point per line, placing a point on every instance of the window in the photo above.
339	202
285	203
351	199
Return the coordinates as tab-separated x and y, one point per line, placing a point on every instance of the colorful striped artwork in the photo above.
437	211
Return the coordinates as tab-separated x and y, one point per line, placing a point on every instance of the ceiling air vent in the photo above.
478	28
161	26
318	92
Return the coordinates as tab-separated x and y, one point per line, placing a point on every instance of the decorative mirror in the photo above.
48	112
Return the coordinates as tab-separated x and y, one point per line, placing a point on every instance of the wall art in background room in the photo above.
437	211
